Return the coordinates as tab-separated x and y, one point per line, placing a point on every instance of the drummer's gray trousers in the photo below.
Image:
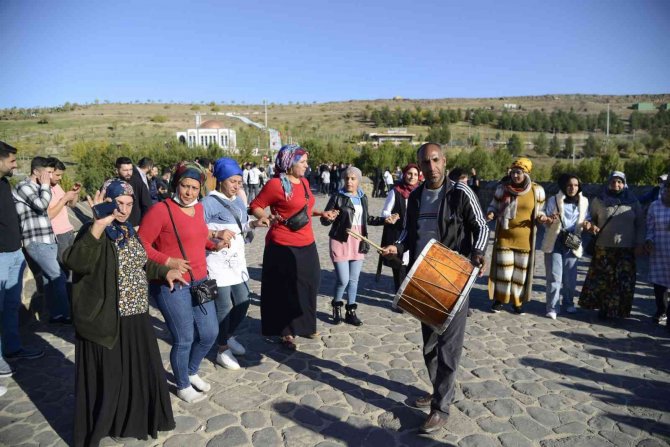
442	354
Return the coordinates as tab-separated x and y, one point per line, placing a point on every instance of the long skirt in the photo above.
290	283
610	282
121	392
511	275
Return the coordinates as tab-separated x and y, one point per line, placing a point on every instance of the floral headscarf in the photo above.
118	232
287	156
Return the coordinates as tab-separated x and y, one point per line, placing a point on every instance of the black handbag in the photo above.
570	240
301	218
590	248
201	293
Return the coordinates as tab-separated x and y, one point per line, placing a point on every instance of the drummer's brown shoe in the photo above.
434	422
423	402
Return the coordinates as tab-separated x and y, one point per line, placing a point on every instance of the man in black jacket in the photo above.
443	210
127	172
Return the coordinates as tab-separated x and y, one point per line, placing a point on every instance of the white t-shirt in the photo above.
254	176
325	176
388	178
229	265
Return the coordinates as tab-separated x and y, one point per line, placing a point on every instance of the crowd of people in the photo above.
176	238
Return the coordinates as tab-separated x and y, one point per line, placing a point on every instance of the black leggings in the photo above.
661	307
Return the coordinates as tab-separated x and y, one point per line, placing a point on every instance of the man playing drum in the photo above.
442	210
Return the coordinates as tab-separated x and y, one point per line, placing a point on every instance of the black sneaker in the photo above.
497	306
60	320
350	315
519	310
27	354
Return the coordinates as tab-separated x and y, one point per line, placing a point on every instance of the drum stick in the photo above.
393	261
363	238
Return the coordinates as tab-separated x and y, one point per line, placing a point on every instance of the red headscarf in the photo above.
404	189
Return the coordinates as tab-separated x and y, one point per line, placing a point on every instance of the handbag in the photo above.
301	218
570	240
590	248
201	293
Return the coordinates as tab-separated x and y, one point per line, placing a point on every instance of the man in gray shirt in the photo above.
445	211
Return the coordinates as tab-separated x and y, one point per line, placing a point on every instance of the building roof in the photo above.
212	124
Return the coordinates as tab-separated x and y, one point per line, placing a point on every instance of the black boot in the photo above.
350	316
337	312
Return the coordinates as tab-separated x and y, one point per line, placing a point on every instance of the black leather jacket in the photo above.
343	221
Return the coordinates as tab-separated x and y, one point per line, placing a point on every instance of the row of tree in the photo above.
533	121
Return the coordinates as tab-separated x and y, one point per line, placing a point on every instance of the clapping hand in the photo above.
393	218
330	215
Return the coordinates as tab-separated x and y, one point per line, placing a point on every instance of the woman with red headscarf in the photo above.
394	211
291	270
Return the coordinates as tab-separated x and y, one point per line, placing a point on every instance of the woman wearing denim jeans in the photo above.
347	252
227	220
567	210
193	327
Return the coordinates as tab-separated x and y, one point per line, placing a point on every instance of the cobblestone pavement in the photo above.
524	380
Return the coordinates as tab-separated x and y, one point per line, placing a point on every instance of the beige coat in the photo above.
554	229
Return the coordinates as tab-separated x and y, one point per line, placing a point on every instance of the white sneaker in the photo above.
200	384
551	315
571	310
191	395
3	390
236	347
227	360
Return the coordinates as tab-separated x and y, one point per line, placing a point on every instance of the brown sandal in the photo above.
288	343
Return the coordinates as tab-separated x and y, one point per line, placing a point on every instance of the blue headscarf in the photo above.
225	168
118	232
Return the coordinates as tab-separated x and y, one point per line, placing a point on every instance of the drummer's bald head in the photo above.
426	146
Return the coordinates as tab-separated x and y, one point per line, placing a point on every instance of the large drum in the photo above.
437	285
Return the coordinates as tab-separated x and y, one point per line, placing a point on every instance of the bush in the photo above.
159	119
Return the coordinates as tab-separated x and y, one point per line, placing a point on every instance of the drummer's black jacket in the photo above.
343	221
459	215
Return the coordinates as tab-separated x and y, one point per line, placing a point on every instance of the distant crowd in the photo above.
175	237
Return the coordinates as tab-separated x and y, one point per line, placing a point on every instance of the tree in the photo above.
554	146
541	144
515	145
569	147
592	146
439	134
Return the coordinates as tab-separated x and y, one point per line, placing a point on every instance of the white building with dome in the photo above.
209	132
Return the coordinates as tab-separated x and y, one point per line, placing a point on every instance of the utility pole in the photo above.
608	121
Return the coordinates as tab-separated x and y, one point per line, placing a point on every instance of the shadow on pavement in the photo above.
354	432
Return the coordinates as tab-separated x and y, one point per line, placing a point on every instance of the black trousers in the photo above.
442	354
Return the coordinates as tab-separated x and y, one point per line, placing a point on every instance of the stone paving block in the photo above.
529	428
191	440
495	425
571	427
253	419
486	390
651	442
544	416
470	408
220	422
503	408
533	389
618	438
514	440
231	437
577	441
267	437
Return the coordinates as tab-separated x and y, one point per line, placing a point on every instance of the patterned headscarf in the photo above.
524	164
287	156
187	169
118	232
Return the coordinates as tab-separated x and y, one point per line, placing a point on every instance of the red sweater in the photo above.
272	195
158	238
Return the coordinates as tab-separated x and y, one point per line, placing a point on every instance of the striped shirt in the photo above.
32	203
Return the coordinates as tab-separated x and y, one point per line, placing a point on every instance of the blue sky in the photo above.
215	50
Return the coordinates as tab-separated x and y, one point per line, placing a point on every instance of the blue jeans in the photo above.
231	308
53	277
12	265
347	277
193	329
561	268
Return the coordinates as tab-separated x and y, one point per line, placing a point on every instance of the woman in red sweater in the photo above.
193	328
291	269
